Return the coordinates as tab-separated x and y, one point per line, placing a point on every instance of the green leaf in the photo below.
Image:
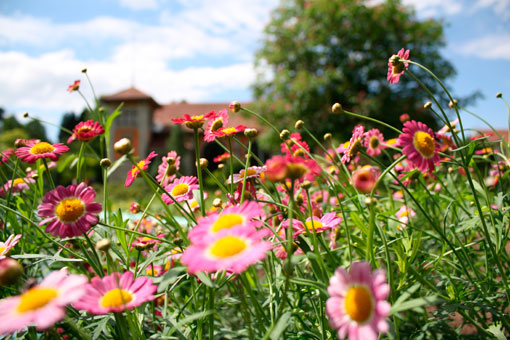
496	330
280	327
415	303
116	164
110	120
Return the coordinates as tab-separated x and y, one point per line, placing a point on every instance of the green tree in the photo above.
35	130
325	51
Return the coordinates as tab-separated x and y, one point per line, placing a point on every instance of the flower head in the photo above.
86	131
403	215
279	168
326	222
251	172
396	67
69	211
33	151
216	122
193	122
232	250
364	179
74	86
170	165
41	305
6	246
4	156
135	170
354	143
221	158
294	147
419	145
16	185
357	306
374	142
181	189
116	293
229	131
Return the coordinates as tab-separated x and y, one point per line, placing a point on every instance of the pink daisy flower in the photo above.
69	211
18	185
74	86
193	122
170	158
326	222
279	168
216	122
221	158
294	147
116	293
86	131
229	131
374	142
42	305
152	270
4	156
354	144
364	179
135	172
245	215
143	243
251	172
357	306
403	215
419	145
33	151
181	189
232	250
6	246
396	67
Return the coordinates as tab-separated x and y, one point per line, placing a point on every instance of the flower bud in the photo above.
453	103
123	146
299	153
103	244
370	200
101	109
299	124
84	70
105	163
450	170
306	185
221	166
178	241
328	136
203	163
404	117
217	203
499	95
35	176
234	106
10	271
337	108
25	115
284	134
251	133
135	208
427	105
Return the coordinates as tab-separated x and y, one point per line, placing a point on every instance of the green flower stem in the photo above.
121	326
211	315
373	120
152	237
248	155
79	163
508	109
268	123
231	162
106	207
199	171
220	185
93	249
48	174
9	195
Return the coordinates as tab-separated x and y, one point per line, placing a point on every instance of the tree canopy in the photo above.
316	53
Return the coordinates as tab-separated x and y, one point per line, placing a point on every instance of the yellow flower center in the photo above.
116	298
398	68
358	303
356	145
392	141
228	246
296	170
18	181
217	124
70	209
313	225
249	172
84	129
36	298
135	172
229	130
374	142
404	213
197	117
2	249
424	143
152	271
180	189
226	221
41	148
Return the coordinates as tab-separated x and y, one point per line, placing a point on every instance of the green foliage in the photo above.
326	51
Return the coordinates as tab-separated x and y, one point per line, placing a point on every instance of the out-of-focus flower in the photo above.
135	170
396	67
16	185
403	215
221	158
364	179
6	246
193	122
374	142
251	172
170	165
74	86
279	168
216	122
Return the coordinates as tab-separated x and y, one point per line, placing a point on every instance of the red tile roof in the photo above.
165	113
130	94
494	137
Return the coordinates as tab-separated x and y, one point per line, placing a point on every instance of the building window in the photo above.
128	117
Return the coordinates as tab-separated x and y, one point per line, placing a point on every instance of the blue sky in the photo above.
202	50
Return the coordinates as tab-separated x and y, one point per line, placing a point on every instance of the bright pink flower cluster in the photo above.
86	131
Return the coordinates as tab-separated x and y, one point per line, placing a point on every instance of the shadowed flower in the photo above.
216	122
374	142
279	168
233	249
74	86
357	306
170	165
34	151
86	131
69	211
116	293
181	189
364	179
6	246
419	145
355	143
41	305
396	67
135	170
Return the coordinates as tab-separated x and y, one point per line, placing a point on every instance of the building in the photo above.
149	126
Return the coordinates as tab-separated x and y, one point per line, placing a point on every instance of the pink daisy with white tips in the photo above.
216	122
251	172
42	305
231	250
17	185
116	293
6	246
181	189
354	143
326	222
135	170
246	215
69	211
36	150
357	306
420	146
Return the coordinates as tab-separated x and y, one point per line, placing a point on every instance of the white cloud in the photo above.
500	7
139	4
433	8
495	46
